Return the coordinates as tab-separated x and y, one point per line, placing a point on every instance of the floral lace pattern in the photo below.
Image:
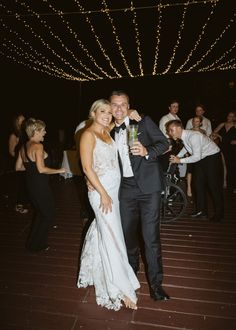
104	261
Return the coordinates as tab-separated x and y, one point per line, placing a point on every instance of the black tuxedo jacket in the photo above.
147	171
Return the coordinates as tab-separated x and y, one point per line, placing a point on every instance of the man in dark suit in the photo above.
140	190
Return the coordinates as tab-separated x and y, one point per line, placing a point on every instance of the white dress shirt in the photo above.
198	145
164	120
123	148
206	125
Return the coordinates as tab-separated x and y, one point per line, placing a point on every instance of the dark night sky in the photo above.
63	103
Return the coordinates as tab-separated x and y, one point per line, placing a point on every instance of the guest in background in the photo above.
164	159
226	132
206	123
196	126
16	139
35	162
208	170
173	110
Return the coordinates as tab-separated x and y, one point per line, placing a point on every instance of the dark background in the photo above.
62	104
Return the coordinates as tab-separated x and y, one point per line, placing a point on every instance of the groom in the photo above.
140	190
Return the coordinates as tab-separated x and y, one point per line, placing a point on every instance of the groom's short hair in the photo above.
119	93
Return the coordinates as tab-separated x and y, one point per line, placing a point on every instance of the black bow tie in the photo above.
118	128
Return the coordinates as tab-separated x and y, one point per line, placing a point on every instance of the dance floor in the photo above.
38	291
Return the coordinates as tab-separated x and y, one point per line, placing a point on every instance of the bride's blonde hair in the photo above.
96	105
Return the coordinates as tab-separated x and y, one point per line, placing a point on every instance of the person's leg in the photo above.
22	195
199	180
45	211
214	169
149	205
130	219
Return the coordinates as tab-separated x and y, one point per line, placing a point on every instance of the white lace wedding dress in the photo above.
104	262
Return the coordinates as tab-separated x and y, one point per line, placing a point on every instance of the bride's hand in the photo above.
105	203
134	115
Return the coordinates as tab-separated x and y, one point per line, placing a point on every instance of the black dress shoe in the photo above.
158	293
199	214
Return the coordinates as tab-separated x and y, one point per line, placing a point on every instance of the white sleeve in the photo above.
162	125
208	129
189	124
196	146
182	152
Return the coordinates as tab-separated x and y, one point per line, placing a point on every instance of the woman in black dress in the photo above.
226	132
35	161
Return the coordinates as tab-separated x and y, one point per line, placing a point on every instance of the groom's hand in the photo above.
138	149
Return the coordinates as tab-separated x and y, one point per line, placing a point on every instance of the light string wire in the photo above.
179	37
227	52
44	43
158	39
26	56
27	64
103	50
82	46
199	39
27	45
137	40
37	61
126	9
64	47
106	11
228	26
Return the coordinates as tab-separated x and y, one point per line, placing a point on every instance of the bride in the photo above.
104	262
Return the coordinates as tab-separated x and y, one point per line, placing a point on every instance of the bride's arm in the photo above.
87	144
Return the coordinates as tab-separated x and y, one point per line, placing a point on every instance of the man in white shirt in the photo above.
206	123
173	110
208	169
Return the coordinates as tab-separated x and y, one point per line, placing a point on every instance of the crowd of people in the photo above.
124	186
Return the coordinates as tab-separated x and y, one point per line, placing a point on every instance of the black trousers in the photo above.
42	222
208	175
136	207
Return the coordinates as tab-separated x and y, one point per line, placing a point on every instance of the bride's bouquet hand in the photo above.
106	203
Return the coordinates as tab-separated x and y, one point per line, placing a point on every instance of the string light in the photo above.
98	40
198	40
49	29
158	39
117	38
126	9
45	44
137	38
227	52
81	65
75	35
214	44
178	40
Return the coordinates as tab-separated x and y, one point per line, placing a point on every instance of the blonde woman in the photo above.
104	262
35	161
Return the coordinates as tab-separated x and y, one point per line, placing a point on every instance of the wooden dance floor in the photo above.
38	291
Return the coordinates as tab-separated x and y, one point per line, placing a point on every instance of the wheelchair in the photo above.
173	199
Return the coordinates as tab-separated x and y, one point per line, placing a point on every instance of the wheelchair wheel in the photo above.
174	203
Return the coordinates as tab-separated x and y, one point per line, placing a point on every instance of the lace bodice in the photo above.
105	157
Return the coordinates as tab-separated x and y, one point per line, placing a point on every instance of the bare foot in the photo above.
129	303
